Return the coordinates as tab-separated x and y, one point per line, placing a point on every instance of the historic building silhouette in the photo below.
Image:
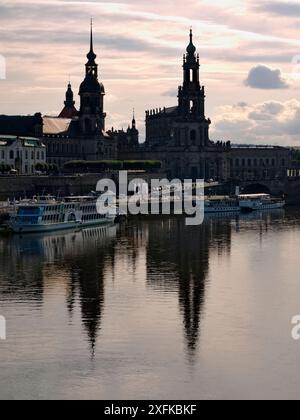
82	135
177	136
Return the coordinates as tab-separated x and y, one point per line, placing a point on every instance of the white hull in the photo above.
41	228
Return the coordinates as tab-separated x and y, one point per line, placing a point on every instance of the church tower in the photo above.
69	110
133	133
191	95
92	92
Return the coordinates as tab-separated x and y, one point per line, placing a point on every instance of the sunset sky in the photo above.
248	51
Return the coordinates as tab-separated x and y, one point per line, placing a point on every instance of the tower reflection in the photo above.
166	254
77	260
178	261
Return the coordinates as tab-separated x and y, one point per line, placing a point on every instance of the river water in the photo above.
153	309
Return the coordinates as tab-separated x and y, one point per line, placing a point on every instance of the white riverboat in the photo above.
255	202
47	214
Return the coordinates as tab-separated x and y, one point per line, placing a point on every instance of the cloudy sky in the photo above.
249	49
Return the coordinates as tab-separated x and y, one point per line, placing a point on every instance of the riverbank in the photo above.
14	187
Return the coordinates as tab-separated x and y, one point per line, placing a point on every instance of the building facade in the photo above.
179	136
250	163
22	153
22	125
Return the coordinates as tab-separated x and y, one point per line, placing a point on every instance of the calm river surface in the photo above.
153	310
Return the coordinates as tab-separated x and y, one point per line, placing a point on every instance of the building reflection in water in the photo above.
176	259
77	259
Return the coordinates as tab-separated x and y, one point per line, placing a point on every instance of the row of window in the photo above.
63	148
22	155
55	148
56	209
93	217
255	162
259	174
89	209
52	218
85	209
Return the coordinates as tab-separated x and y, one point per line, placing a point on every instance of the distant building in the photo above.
22	153
65	142
26	126
250	163
127	141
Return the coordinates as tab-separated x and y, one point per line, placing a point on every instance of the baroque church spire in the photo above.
191	94
91	65
69	110
91	56
92	92
69	102
191	49
133	120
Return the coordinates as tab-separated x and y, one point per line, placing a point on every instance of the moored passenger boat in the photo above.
226	205
51	215
254	202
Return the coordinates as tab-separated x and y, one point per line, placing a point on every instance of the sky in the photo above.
249	52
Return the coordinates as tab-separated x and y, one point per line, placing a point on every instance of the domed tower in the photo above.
69	110
92	92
